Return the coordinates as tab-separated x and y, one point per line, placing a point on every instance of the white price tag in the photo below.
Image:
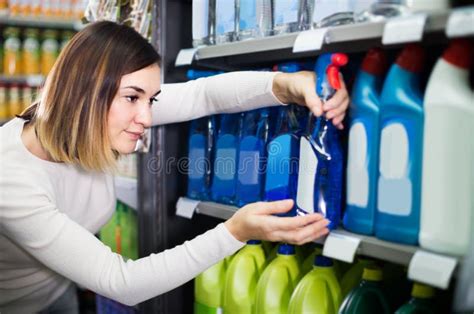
432	269
185	57
404	29
341	247
461	22
186	207
310	40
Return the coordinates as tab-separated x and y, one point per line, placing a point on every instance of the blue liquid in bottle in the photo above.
255	131
226	159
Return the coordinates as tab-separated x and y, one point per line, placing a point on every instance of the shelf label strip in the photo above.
185	57
186	207
404	29
432	269
341	247
310	40
461	22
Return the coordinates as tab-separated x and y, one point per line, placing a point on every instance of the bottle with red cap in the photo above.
448	164
320	165
401	137
364	142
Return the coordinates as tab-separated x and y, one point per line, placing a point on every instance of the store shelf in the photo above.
40	22
30	80
126	190
365	34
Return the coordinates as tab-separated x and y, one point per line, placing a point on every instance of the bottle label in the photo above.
50	46
200	19
225	162
285	11
12	44
225	16
279	163
357	167
249	167
31	45
394	185
248	14
306	177
197	157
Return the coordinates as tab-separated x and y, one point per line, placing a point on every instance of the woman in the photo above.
56	183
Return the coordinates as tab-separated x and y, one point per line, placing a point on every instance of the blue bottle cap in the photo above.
254	242
286	249
323	261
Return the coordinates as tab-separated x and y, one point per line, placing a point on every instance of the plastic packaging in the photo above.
12	51
401	122
225	18
242	277
353	276
49	51
364	142
209	288
203	22
31	52
277	282
319	291
421	302
285	16
254	18
226	159
332	13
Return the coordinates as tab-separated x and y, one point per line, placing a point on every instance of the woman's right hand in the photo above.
256	221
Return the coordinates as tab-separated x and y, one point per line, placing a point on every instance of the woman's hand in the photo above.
256	222
300	88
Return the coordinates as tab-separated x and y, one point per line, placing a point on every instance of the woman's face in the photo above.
130	112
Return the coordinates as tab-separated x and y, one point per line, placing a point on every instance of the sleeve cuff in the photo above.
231	244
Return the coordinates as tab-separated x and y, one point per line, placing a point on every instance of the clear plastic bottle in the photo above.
285	16
332	13
203	22
254	18
226	20
305	15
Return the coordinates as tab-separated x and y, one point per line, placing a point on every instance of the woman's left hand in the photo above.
300	88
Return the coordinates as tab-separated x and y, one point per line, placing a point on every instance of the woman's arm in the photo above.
223	93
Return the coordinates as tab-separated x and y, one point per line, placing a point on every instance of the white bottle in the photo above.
225	21
448	160
203	22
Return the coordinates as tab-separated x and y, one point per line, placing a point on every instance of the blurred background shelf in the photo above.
41	22
30	80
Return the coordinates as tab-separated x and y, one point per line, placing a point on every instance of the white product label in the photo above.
186	207
461	22
249	167
200	19
357	167
341	247
31	44
310	40
185	57
12	44
394	187
225	16
50	46
404	29
285	11
306	177
325	8
224	165
432	269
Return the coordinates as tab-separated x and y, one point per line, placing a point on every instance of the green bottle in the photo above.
318	292
353	276
421	301
277	282
368	297
242	277
209	288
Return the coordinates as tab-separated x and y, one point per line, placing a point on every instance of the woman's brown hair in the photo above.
70	117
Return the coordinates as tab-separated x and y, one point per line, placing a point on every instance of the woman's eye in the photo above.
132	99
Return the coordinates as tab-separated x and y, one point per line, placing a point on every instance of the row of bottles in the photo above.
14	99
221	21
255	156
410	152
59	9
289	279
31	51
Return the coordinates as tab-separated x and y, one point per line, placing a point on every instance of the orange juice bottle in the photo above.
4	110
12	51
49	51
65	38
47	8
25	8
31	52
26	96
14	7
14	102
35	7
3	4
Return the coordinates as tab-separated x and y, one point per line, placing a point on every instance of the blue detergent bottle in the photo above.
320	166
255	131
401	140
363	155
226	159
283	152
201	147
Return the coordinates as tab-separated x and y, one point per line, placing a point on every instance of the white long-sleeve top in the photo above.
49	212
